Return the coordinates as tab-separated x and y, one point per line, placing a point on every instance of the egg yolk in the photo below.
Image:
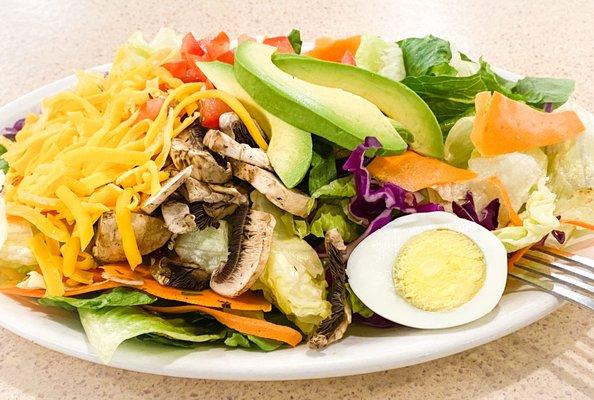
439	270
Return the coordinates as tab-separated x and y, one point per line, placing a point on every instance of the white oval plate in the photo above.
363	350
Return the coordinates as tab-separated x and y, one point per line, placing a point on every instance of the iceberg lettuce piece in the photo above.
538	220
571	163
379	56
208	247
293	278
166	38
519	172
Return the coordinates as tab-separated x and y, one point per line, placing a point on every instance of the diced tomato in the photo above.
150	109
348	58
191	46
216	46
186	69
281	43
244	38
163	86
228	57
210	112
208	85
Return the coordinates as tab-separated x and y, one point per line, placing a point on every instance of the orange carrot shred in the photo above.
515	257
581	224
514	218
248	326
413	171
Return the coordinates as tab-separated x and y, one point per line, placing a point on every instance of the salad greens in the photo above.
117	297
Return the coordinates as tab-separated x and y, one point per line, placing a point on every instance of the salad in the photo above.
257	196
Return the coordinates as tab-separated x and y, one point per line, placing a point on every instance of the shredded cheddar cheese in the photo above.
86	153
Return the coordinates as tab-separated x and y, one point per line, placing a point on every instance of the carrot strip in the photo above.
503	125
504	197
249	326
581	224
38	293
207	298
515	257
413	171
333	50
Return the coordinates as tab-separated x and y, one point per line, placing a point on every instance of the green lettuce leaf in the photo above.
166	38
538	220
323	170
108	327
236	339
427	56
339	188
295	40
120	296
206	247
297	226
357	305
293	278
458	147
537	91
331	216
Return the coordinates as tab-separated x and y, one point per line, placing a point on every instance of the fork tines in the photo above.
566	275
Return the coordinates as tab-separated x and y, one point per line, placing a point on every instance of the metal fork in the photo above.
568	276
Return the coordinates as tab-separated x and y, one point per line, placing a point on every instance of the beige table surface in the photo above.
41	41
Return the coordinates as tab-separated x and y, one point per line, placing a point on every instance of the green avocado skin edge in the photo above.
289	148
331	113
393	98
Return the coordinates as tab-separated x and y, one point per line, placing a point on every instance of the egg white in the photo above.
370	269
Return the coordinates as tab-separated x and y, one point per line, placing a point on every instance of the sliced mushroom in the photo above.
220	210
181	275
202	219
249	248
185	152
168	188
177	217
270	186
150	233
225	145
334	327
231	124
197	191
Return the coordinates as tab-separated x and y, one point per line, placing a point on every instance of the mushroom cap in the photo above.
167	189
249	249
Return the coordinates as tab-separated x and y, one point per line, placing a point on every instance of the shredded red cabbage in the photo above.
376	321
467	210
559	236
10	132
375	203
547	107
374	200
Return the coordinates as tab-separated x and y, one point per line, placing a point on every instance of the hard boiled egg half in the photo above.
430	270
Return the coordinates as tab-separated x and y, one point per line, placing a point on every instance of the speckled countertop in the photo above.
41	41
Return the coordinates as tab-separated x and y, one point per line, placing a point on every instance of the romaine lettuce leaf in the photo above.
427	56
357	305
108	327
297	226
323	169
537	91
236	339
120	296
293	278
538	220
295	40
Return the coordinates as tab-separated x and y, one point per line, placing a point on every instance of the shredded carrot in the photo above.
248	326
506	202
207	298
334	50
413	171
515	257
503	125
581	224
37	293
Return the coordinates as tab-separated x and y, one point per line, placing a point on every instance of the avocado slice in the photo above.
394	99
334	114
289	149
